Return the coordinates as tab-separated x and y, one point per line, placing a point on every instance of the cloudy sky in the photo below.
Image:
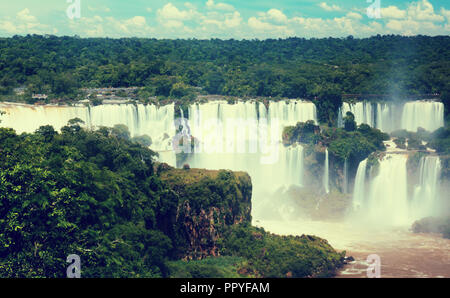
238	19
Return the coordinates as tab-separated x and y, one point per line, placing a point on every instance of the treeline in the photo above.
293	67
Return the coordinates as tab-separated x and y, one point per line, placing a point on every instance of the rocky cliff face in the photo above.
207	203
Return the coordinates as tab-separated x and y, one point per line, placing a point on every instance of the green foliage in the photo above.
121	131
328	104
415	144
96	101
349	122
211	267
89	193
292	67
270	255
400	142
303	132
143	140
354	145
441	140
180	90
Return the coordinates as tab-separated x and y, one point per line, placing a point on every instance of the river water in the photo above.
402	253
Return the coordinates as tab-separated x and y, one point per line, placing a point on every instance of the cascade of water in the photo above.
391	116
383	199
385	117
28	118
247	137
345	182
156	122
360	185
326	173
426	193
362	111
426	114
388	201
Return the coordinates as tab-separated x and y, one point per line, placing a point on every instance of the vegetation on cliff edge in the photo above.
102	196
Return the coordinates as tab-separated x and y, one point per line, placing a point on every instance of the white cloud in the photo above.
172	17
395	25
418	18
137	21
111	27
233	20
393	12
354	15
277	16
446	14
170	12
24	23
259	25
266	29
219	6
412	27
327	7
24	16
423	11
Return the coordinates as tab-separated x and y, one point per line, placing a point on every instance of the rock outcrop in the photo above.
207	203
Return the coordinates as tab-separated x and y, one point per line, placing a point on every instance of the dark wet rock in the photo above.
432	225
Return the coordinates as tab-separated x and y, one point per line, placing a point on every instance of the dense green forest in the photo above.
101	195
293	67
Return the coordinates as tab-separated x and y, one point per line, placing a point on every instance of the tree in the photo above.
121	131
349	122
328	104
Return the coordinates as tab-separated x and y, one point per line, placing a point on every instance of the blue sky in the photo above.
237	19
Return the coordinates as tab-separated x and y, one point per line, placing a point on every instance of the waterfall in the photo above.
392	116
384	199
362	111
386	117
345	182
28	118
426	193
326	173
156	122
388	201
426	114
246	136
359	192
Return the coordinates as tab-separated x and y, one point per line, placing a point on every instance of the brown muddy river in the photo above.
402	253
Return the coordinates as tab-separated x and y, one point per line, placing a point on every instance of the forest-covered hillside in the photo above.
293	67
